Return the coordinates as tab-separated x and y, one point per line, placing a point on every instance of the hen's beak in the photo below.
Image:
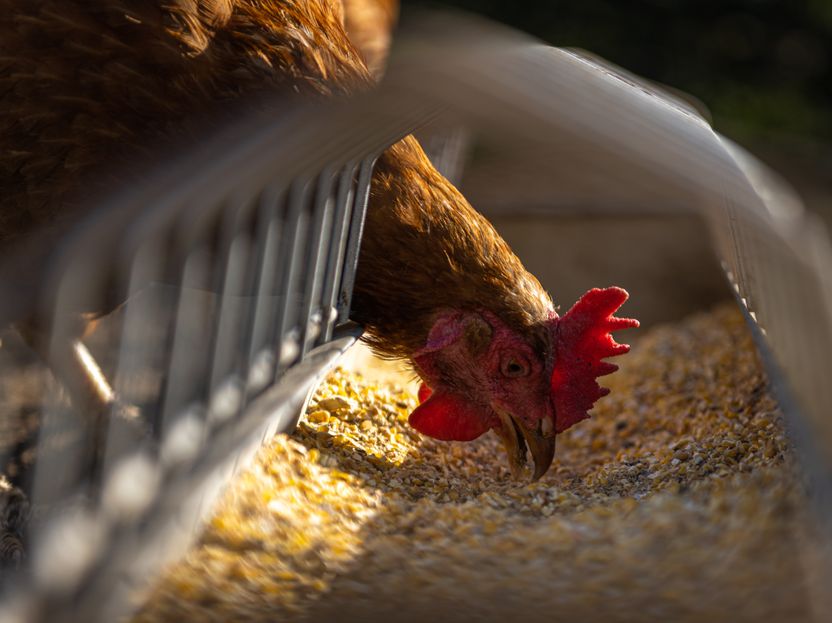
516	437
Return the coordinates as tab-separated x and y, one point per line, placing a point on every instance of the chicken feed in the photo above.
678	500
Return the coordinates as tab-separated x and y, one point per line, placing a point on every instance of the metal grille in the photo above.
234	306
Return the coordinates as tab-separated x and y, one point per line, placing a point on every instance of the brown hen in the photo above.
90	84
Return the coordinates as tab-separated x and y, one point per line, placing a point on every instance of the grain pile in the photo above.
677	501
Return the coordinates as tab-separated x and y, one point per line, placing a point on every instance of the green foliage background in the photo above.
760	66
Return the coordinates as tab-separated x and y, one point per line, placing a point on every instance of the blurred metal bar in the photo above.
321	231
362	194
262	360
295	242
343	218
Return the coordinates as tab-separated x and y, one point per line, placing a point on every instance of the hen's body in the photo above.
86	86
90	85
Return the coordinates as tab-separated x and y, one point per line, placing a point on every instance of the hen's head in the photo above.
481	374
436	284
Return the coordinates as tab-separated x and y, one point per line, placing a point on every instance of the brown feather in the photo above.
88	84
426	251
369	24
85	84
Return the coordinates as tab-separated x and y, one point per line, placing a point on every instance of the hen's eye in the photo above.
514	367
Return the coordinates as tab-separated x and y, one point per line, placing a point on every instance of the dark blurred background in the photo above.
762	68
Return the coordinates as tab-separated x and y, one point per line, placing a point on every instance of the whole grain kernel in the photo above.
678	500
318	417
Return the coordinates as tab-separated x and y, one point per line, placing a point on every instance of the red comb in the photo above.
582	340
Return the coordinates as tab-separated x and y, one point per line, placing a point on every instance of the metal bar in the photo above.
295	242
261	355
256	275
341	219
362	194
227	381
320	233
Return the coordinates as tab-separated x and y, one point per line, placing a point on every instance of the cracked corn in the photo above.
677	501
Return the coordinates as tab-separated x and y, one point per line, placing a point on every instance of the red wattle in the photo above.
424	392
448	417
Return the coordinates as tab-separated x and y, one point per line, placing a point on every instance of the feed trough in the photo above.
238	277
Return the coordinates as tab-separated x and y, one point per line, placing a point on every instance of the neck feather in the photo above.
425	251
